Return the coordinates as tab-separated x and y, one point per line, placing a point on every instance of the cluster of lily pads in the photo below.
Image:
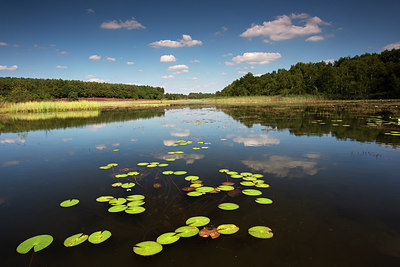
131	204
148	248
334	123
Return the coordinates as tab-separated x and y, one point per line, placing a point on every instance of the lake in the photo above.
333	176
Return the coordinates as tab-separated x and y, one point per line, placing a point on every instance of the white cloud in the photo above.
101	147
185	41
266	41
167	58
221	32
195	61
327	61
95	57
168	77
12	140
128	24
257	140
89	10
392	46
315	38
169	142
283	29
178	68
9	68
242	72
3	44
227	55
93	78
181	133
254	58
130	62
180	72
110	58
61	67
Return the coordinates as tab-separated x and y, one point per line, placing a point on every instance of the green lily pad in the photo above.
251	192
247	183
134	197
187	231
104	198
117	201
263	200
69	203
163	165
143	164
246	174
117	208
231	173
112	164
151	165
223	139
197	221
225	188
38	243
133	173
236	176
135	210
194	194
121	175
262	185
205	189
170	159
147	248
223	170
180	172
168	238
227	229
228	206
191	178
258	181
128	185
167	172
196	185
261	232
249	178
196	148
258	175
105	167
154	163
75	240
135	203
99	237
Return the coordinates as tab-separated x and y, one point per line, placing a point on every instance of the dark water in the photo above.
335	188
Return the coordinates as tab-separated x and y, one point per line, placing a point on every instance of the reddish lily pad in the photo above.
99	237
227	229
75	240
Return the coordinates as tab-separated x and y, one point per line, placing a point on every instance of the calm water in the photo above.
335	188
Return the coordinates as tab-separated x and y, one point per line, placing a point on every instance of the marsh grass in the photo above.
49	106
34	116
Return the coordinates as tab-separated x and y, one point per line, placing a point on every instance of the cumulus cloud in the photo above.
101	147
9	68
315	38
12	140
110	58
128	24
392	46
195	61
256	140
169	142
254	58
167	58
185	41
283	28
178	68
168	77
61	67
93	78
130	62
181	133
327	61
95	57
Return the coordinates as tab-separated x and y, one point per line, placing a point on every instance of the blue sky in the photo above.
185	46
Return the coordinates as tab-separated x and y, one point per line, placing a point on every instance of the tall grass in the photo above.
33	116
48	106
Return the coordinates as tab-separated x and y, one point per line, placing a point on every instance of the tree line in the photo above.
369	76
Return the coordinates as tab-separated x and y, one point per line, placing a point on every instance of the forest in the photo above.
369	76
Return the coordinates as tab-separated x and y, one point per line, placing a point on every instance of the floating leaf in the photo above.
261	232
143	164
223	170
191	178
209	231
135	203
204	147
223	139
258	181
197	181
147	248
167	172
170	159
263	200
151	166
246	174
249	178
104	167
121	175
258	175
157	185
38	243
228	183
133	173
117	149
197	221
117	208
231	173
196	148
251	192
188	189
163	165
262	185
247	183
134	197
128	185
117	201
69	203
168	238
75	240
236	176
116	184
225	187
112	164
135	210
204	189
187	231
180	172
179	152
194	194
196	185
228	206
104	198
99	237
227	229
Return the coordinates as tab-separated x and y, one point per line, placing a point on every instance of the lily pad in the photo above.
228	206
197	221
263	200
246	174
134	197
128	185
147	248
170	159
105	167
227	229
223	170
117	208
121	175
251	192
247	183
180	172
231	173
228	183
133	173
38	243
75	240
99	237
258	175
152	166
135	203
187	231
116	184
167	172
168	238
112	164
196	185
163	165
143	164
204	189
249	178
236	176
69	203
104	198
194	194
225	187
262	185
191	178
135	210
261	232
117	201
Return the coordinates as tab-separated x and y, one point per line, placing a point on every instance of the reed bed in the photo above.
33	116
50	106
